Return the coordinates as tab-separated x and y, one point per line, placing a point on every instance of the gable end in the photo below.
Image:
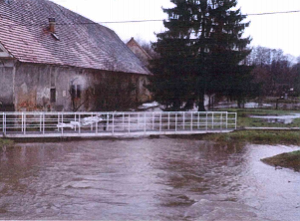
4	53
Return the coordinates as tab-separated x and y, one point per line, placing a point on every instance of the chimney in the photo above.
52	25
7	2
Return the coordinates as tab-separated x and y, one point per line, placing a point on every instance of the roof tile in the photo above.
24	33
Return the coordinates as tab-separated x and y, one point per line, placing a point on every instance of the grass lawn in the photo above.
6	143
259	137
287	160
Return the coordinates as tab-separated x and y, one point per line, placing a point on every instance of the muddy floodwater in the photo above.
146	179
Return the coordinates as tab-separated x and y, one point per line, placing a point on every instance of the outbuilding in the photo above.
52	59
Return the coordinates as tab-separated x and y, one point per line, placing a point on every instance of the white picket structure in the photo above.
113	124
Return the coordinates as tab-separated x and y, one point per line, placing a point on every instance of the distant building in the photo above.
139	51
54	59
144	57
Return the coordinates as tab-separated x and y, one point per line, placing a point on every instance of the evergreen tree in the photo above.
200	53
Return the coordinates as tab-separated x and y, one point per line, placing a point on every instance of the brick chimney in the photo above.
52	25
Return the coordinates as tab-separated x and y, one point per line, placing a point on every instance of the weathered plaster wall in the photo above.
100	90
6	87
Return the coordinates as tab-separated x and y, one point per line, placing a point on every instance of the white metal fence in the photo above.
49	124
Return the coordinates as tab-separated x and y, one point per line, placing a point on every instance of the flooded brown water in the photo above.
146	179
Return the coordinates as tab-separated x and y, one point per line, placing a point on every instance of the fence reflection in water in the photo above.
111	123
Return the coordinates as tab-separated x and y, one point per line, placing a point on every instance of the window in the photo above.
78	91
52	95
75	91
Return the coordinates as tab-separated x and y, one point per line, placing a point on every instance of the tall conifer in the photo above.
200	52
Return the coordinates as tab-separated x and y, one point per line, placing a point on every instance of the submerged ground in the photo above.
259	118
146	179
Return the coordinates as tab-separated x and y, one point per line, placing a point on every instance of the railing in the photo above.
49	124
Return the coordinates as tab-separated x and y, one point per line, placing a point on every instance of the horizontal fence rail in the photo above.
97	124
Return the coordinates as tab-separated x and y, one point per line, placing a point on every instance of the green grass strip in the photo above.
6	143
258	137
287	160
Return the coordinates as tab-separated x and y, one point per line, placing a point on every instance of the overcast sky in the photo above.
273	31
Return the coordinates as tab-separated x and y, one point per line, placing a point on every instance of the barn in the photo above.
53	59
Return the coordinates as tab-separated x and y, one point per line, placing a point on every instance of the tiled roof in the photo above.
139	51
24	33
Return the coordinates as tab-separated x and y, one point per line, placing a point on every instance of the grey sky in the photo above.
274	31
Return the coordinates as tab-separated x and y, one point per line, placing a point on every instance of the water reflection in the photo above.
147	179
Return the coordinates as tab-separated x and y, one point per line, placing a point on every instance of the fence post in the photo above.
183	119
43	123
160	122
176	120
75	119
107	121
96	129
169	126
79	127
58	119
113	123
4	124
24	123
123	122
129	119
235	127
62	121
206	122
191	121
221	119
212	120
198	121
226	120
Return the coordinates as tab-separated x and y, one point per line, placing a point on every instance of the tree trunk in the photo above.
239	102
201	100
189	104
176	105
